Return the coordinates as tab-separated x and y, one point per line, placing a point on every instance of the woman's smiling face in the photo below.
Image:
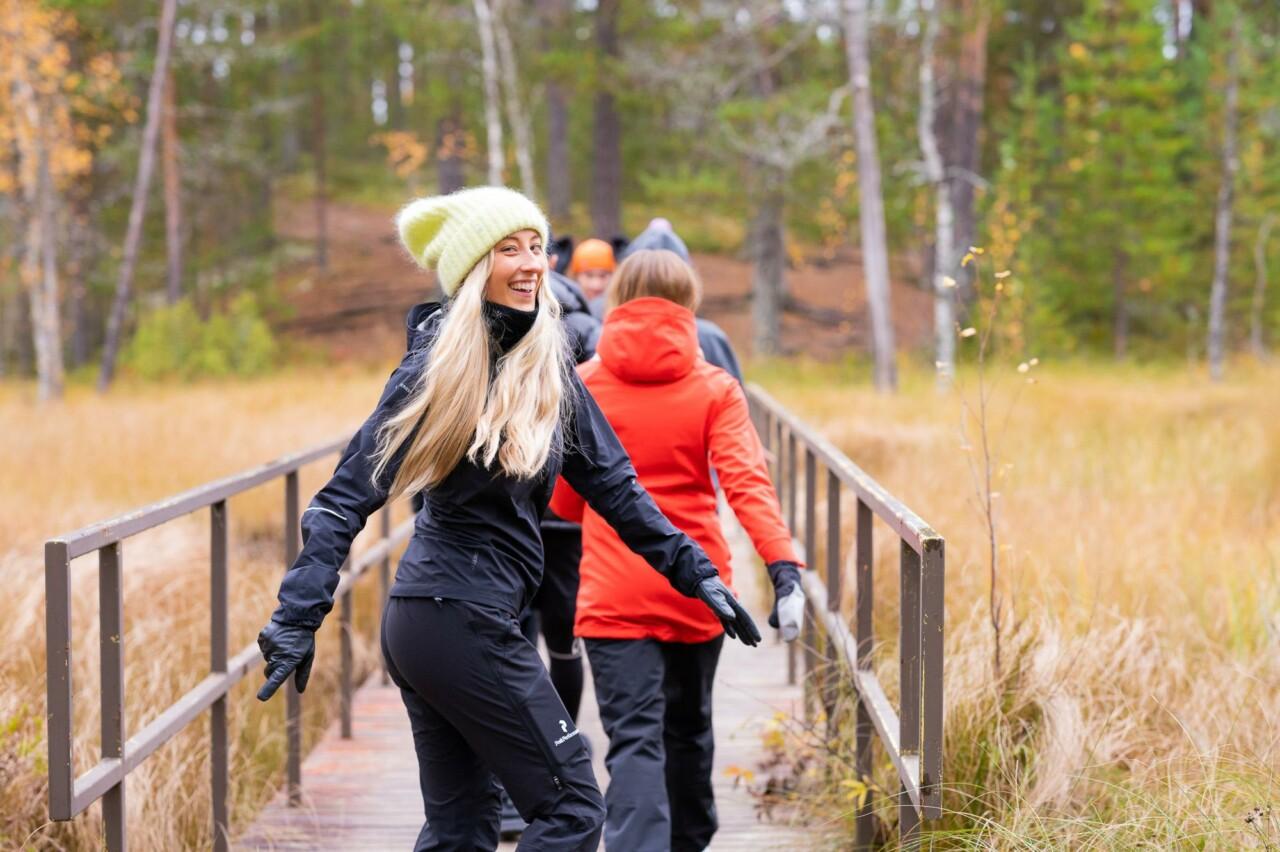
519	267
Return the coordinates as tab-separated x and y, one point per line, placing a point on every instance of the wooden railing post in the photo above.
293	701
219	625
345	657
864	730
909	682
834	592
111	651
57	624
810	635
932	613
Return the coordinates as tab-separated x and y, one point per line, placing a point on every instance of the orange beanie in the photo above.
591	254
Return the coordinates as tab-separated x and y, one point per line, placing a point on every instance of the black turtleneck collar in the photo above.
507	325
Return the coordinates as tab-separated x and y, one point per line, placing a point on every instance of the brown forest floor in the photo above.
356	309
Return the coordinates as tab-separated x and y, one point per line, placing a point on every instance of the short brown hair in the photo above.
659	273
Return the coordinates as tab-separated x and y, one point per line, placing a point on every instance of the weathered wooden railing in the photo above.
912	735
69	795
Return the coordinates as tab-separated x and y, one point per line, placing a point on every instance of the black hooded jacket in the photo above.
581	326
476	537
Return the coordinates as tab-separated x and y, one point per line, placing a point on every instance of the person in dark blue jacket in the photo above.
482	414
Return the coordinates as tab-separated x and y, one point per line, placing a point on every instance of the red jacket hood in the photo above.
649	341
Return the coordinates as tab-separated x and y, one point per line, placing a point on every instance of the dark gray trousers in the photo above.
655	704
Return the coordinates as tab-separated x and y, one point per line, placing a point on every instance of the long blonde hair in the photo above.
459	406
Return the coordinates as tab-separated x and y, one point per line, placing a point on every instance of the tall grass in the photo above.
1139	521
95	457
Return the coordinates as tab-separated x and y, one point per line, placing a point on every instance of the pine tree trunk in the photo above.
943	282
966	108
553	17
871	210
1222	218
1119	305
449	173
767	286
1256	341
319	141
517	114
142	187
492	101
606	135
172	189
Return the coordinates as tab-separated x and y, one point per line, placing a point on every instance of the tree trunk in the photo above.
142	187
492	113
517	114
871	208
172	189
606	134
449	173
1256	341
42	273
966	110
319	140
553	18
1119	305
943	283
767	291
1222	218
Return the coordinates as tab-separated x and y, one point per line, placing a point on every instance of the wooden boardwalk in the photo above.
362	793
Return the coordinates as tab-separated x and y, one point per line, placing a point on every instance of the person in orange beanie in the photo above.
592	267
653	656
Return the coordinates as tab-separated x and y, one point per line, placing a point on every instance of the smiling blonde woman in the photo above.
480	417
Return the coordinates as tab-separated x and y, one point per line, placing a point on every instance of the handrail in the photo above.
911	735
70	795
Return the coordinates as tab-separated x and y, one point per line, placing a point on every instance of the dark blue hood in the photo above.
658	238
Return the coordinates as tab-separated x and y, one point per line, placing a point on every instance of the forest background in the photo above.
195	215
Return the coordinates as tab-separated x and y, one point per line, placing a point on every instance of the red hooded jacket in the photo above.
677	416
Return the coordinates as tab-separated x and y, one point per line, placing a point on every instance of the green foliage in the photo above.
174	342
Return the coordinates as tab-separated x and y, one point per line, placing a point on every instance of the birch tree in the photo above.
875	254
944	254
141	188
492	99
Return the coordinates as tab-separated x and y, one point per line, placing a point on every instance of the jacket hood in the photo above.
649	341
420	322
658	238
568	293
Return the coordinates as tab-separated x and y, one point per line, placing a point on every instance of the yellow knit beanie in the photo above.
451	233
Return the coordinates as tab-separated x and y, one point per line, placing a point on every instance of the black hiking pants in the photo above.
553	609
655	704
481	705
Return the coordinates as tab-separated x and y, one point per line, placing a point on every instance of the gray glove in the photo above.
288	649
736	620
788	604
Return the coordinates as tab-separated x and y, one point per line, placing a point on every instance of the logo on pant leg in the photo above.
568	735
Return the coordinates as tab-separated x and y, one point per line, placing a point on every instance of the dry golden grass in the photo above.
96	457
1139	515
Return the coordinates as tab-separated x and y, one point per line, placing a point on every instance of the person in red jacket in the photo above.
653	655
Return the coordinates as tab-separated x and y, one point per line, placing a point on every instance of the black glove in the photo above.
288	649
736	620
788	598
